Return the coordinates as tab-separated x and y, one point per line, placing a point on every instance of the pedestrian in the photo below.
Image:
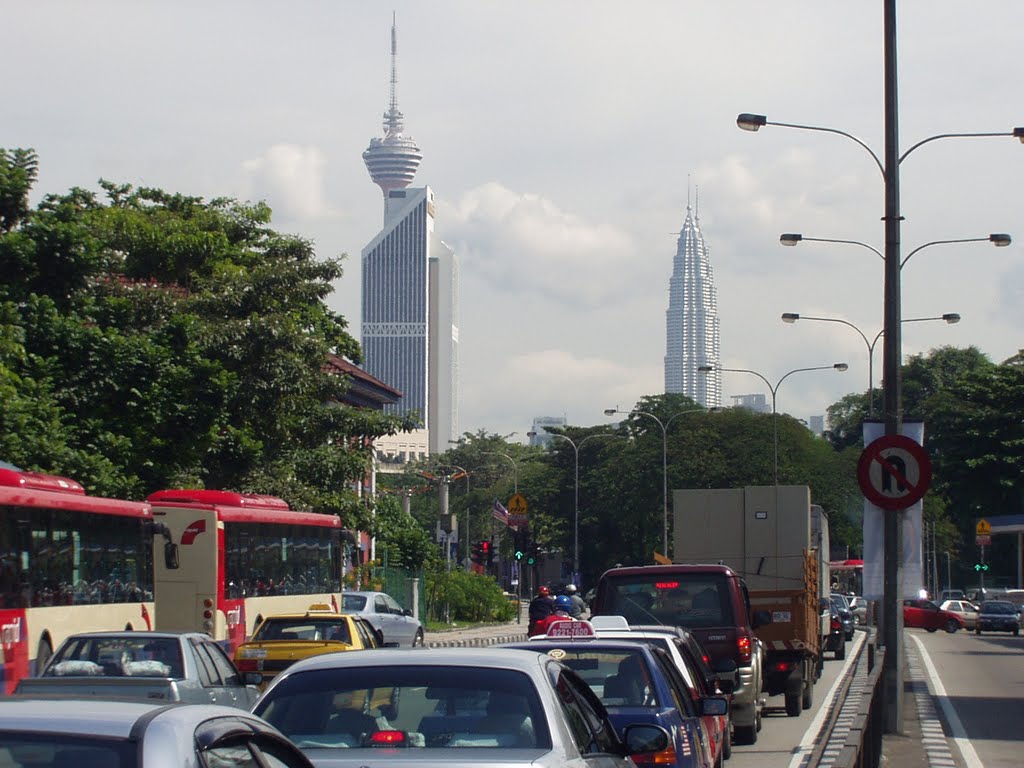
540	608
578	606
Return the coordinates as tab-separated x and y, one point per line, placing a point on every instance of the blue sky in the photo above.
562	140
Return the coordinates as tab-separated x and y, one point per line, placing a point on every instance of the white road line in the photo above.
811	734
957	732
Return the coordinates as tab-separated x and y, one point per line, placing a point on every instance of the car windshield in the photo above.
58	750
134	655
353	602
423	706
696	600
619	677
998	607
304	629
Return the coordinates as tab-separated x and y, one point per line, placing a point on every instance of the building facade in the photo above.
409	329
692	327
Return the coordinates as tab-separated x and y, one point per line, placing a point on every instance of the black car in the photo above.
842	609
998	616
835	640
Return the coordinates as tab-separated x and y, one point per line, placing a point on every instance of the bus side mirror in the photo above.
171	556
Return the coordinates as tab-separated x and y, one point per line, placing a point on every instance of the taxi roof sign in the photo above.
570	629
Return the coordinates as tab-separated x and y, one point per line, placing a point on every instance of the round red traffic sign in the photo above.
894	472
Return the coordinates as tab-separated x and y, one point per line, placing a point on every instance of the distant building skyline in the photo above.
691	320
539	435
410	295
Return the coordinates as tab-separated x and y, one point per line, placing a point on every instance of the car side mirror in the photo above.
643	738
761	618
407	612
253	678
714	706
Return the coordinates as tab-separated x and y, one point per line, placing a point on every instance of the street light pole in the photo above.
576	498
664	462
774	390
792	317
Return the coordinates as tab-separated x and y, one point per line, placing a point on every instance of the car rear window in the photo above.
353	602
692	600
991	606
619	677
59	750
430	706
304	629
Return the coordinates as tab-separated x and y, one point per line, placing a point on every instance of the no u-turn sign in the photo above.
894	472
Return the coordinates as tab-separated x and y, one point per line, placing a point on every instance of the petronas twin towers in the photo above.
692	333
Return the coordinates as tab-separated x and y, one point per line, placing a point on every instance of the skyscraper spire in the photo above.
392	160
692	338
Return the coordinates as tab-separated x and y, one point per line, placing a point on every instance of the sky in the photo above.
563	141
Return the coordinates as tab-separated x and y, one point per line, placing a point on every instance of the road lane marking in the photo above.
958	733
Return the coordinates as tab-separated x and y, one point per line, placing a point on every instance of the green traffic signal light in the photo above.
531	560
981	566
519	554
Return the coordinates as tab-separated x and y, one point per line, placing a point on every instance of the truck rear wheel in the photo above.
793	704
808	698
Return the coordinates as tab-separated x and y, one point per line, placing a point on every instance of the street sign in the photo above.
517	505
983	528
894	472
983	541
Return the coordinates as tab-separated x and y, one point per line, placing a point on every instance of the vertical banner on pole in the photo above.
874	545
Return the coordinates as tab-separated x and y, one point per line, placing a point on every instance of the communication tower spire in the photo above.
392	160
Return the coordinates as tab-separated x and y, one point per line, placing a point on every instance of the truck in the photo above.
777	541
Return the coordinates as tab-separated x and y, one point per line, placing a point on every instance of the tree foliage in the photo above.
151	339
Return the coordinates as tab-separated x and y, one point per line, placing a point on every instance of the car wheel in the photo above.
418	640
757	722
1016	631
727	742
952	626
977	630
841	652
933	629
746	734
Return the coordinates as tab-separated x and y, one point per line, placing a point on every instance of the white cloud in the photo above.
524	243
291	179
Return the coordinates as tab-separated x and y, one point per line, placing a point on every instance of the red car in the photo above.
924	614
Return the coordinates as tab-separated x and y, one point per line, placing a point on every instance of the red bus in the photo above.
68	563
230	559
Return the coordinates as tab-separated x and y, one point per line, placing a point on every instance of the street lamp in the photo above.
998	239
891	353
774	390
792	317
664	461
576	499
515	467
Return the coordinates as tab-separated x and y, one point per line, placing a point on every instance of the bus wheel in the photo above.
43	654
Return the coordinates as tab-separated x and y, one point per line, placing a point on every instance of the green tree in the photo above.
175	341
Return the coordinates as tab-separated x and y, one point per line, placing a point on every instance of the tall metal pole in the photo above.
892	615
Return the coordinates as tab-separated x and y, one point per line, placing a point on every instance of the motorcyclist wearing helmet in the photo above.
578	606
563	612
541	607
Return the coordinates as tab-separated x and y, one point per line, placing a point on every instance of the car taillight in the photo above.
784	666
247	665
743	648
387	739
835	624
665	757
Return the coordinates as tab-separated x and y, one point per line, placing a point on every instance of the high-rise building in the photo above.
692	338
539	435
410	332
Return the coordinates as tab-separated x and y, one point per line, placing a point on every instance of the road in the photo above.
979	686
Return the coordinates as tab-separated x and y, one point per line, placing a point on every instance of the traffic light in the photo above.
981	567
478	553
486	553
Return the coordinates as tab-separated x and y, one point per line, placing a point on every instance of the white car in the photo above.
965	609
397	625
92	733
435	708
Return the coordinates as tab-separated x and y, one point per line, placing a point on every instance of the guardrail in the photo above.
862	745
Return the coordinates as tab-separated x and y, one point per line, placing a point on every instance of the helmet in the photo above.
542	590
563	603
570	589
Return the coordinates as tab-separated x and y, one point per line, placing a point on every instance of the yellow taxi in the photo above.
279	641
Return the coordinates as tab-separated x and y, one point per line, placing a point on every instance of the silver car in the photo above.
398	626
438	708
75	733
